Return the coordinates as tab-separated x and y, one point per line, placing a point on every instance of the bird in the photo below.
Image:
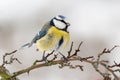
53	35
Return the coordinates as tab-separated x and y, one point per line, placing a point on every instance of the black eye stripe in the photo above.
57	19
60	20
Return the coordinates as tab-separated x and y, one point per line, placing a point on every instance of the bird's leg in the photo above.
44	58
63	57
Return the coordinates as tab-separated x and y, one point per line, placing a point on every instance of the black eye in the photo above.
63	21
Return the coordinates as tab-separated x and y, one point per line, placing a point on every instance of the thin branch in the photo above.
106	66
76	51
115	65
44	64
69	52
105	51
110	70
95	65
44	58
54	58
11	59
70	57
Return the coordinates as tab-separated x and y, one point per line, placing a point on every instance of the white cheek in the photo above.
59	24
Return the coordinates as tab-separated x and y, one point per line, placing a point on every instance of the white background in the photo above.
96	22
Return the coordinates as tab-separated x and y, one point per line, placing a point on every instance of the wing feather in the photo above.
40	34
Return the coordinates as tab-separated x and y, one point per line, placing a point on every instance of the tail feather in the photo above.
25	45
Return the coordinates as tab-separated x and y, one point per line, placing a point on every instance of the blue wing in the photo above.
38	36
41	33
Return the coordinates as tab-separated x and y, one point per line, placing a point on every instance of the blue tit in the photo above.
53	35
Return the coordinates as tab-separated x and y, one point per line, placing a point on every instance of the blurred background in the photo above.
95	22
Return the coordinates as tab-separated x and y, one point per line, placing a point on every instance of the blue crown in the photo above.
61	16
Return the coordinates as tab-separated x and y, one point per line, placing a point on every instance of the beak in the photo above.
67	24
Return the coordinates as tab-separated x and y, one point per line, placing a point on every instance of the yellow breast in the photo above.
51	39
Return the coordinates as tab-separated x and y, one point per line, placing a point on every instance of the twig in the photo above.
71	66
76	51
86	58
54	58
105	51
69	52
71	57
11	59
44	64
95	65
110	70
115	65
44	58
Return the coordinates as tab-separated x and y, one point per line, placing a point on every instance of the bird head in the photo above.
60	22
